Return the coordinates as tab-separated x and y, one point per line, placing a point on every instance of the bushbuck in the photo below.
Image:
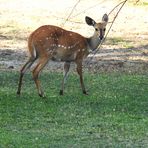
50	42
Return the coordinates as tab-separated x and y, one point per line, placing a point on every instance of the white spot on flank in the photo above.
34	52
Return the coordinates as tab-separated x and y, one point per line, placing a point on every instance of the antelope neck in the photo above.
93	42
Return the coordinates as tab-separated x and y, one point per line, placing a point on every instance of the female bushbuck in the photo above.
54	43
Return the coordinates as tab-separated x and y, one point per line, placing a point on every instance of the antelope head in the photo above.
99	32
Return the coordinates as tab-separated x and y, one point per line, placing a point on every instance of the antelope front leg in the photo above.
79	70
66	70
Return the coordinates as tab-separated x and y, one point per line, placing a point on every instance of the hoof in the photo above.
85	93
42	95
61	92
18	93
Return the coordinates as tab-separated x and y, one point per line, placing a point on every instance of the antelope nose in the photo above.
101	37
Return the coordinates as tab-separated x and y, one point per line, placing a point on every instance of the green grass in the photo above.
113	115
125	43
143	3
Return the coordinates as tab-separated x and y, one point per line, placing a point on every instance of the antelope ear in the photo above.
90	21
105	18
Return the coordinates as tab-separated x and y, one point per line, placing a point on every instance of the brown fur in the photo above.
48	35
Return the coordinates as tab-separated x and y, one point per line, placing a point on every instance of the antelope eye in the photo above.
96	29
104	29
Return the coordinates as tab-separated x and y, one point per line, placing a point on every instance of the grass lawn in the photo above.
113	115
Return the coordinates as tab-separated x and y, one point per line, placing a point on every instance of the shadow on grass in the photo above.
125	59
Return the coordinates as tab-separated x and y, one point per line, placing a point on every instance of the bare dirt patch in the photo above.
125	49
